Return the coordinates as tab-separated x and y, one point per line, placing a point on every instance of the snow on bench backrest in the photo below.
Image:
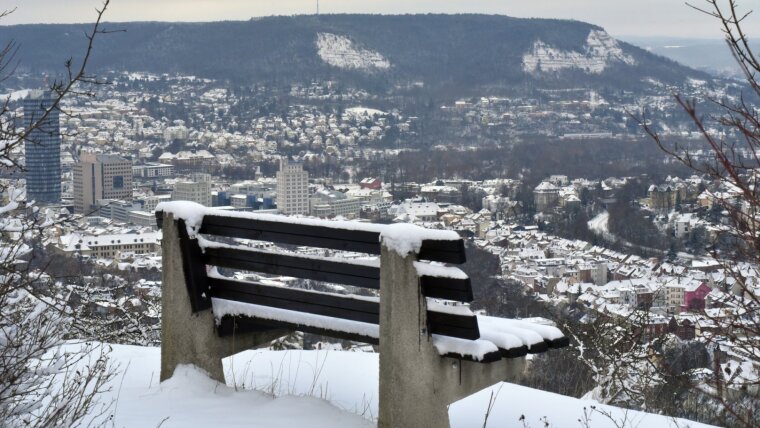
433	245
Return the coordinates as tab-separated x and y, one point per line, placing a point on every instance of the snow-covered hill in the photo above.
315	389
599	52
339	51
465	54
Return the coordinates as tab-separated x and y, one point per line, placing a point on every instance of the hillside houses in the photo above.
576	272
673	192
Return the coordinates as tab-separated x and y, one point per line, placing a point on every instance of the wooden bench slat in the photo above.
292	265
343	307
296	300
445	324
517	352
558	343
295	234
456	289
330	271
230	325
443	251
194	270
285	232
487	358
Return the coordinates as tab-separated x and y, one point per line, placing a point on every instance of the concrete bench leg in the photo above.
188	338
416	383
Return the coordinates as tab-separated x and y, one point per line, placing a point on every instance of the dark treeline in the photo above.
530	160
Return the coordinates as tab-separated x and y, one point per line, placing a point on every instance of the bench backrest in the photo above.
199	251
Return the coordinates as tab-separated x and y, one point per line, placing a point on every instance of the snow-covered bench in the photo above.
433	349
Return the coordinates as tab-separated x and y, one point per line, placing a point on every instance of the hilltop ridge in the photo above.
467	52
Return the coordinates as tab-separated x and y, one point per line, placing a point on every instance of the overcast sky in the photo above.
619	17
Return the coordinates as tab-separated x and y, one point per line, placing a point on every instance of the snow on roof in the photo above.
546	186
85	242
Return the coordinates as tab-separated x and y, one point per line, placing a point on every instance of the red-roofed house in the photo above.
694	296
371	183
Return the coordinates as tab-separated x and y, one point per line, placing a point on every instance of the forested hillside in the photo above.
463	52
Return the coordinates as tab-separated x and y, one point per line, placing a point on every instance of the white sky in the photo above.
619	17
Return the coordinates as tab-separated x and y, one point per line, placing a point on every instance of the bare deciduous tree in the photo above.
733	142
44	381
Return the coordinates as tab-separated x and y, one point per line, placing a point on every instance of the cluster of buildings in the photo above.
674	192
582	113
558	192
692	291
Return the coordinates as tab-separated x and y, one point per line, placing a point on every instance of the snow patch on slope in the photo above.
339	51
599	52
599	224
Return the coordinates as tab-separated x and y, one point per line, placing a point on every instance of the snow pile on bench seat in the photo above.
438	306
474	349
545	331
222	307
504	331
500	339
439	271
494	327
192	213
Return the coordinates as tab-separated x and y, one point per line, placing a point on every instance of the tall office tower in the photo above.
43	148
292	188
197	189
98	177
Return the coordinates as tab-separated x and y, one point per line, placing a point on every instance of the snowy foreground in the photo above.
317	389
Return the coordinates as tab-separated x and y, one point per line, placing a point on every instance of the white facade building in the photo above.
331	203
197	189
153	170
292	188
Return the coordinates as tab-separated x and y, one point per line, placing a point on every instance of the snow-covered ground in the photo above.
339	51
600	50
599	224
314	389
364	112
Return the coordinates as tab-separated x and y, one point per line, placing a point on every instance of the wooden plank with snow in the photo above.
336	235
318	269
348	308
424	342
436	281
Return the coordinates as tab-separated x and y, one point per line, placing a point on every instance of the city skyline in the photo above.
665	18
